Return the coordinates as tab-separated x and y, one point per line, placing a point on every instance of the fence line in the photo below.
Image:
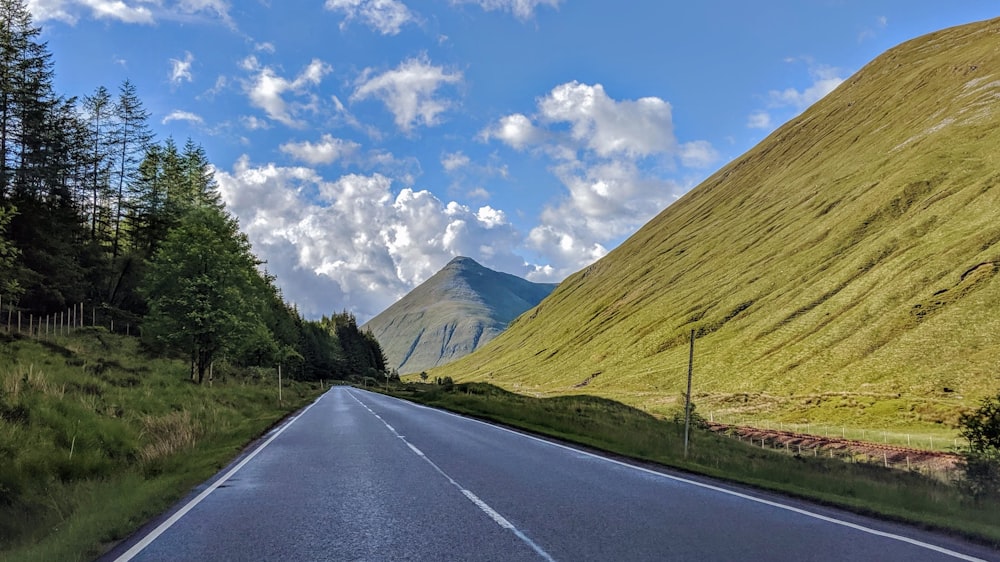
60	323
941	441
913	461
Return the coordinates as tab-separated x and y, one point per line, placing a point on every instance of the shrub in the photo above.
981	458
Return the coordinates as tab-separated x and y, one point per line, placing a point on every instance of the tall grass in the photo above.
611	426
96	438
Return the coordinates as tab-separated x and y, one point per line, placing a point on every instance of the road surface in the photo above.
361	476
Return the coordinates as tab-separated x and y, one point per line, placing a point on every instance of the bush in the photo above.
981	458
697	420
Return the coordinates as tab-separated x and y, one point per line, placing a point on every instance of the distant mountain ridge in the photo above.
844	269
452	314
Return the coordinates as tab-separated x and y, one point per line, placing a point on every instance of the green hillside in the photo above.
843	270
452	314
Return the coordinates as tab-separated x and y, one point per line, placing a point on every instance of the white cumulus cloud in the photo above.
631	127
354	242
267	90
385	16
126	11
825	80
523	9
759	120
180	69
328	150
178	115
454	160
610	156
410	91
515	130
698	154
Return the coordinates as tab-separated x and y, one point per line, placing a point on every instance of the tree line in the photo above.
94	209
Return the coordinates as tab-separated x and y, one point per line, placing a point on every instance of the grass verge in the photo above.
97	438
614	427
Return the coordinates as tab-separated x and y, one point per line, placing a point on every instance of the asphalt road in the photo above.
360	476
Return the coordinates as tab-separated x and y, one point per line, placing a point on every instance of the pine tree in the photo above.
131	138
98	110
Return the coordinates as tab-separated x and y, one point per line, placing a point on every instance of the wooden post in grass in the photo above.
279	383
687	397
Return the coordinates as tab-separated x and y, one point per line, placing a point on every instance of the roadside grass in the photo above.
614	427
96	438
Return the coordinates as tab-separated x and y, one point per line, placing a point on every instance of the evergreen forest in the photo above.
96	212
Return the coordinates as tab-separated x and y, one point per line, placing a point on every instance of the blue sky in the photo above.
364	143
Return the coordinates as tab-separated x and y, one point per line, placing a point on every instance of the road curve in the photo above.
361	476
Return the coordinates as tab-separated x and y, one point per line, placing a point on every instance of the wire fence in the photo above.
943	466
945	440
14	320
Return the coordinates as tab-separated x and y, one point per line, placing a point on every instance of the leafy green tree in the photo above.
199	286
981	458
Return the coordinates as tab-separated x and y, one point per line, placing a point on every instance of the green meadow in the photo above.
96	437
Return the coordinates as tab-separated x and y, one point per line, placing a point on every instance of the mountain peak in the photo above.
462	262
453	313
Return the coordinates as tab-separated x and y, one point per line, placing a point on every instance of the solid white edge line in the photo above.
771	503
162	527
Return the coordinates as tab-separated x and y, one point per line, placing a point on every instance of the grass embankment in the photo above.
617	428
96	438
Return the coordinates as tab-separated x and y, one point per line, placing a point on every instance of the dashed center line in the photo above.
483	506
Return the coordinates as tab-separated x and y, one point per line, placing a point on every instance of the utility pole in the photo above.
687	397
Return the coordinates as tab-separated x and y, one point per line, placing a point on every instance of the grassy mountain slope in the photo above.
843	269
453	313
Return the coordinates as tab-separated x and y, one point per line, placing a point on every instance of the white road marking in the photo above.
483	506
800	511
162	527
